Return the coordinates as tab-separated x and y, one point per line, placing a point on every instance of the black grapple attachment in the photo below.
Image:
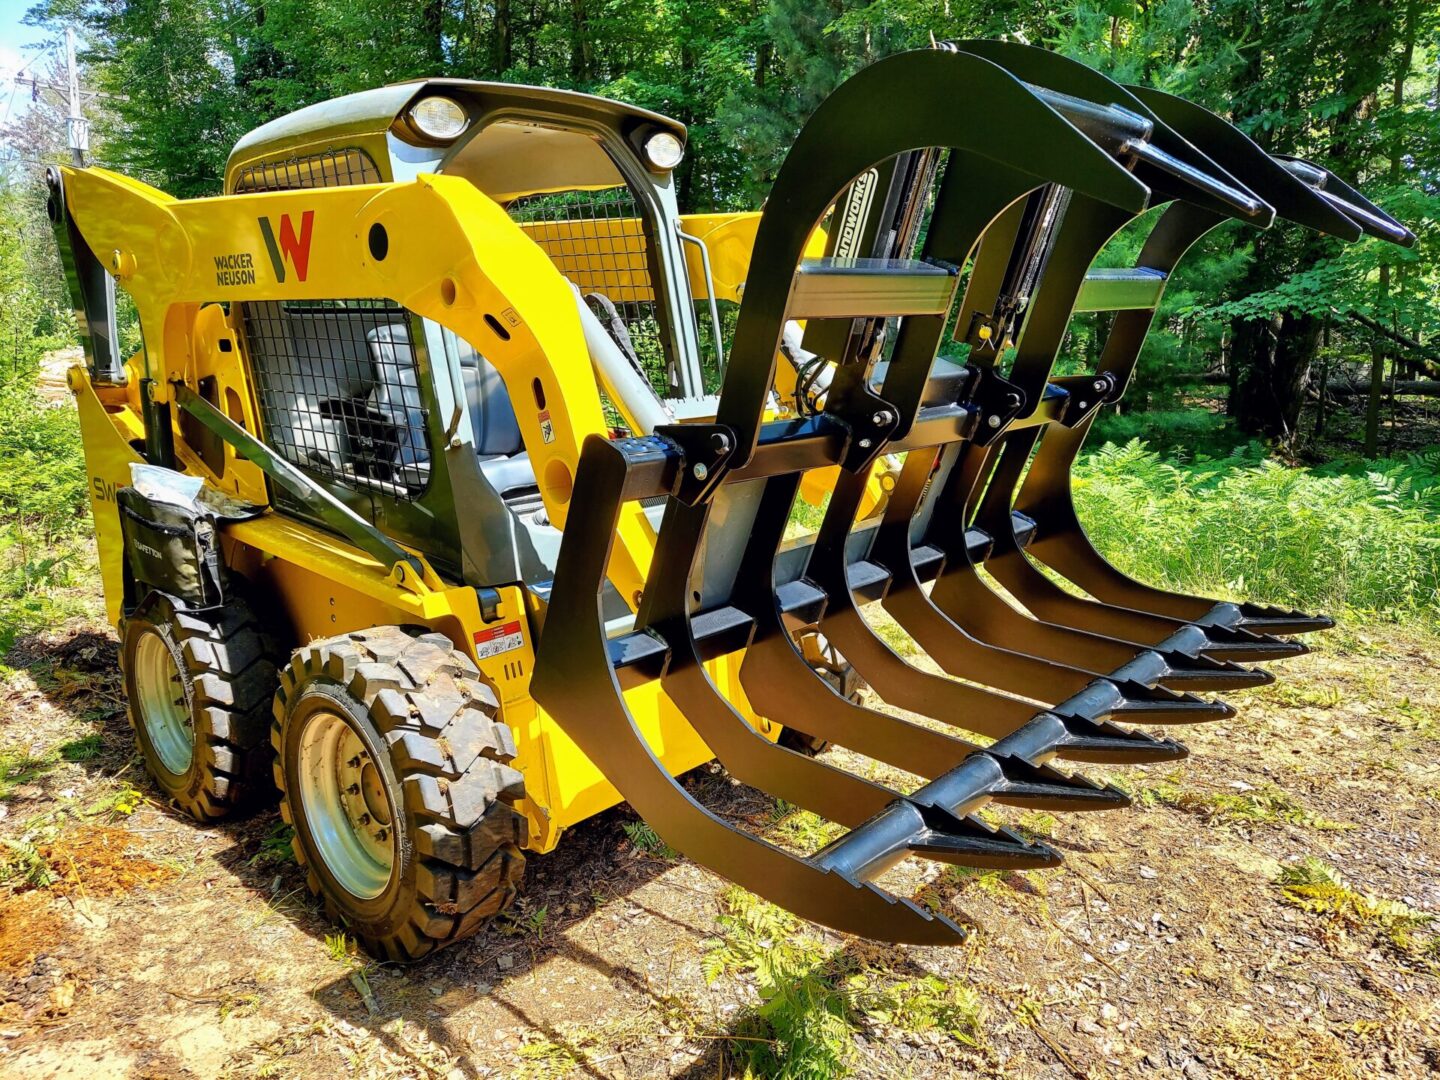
971	188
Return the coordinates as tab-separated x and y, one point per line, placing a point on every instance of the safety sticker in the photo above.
547	429
494	640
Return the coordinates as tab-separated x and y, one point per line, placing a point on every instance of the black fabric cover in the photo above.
173	549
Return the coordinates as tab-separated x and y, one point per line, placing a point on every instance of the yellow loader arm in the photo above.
436	245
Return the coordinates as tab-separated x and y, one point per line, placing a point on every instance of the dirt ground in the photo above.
1264	910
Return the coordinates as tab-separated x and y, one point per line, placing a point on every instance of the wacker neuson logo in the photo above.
287	248
291	248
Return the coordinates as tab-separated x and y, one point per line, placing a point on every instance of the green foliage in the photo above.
1343	537
278	846
814	1002
43	511
1318	888
645	839
86	748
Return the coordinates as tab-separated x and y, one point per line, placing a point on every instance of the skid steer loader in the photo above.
418	497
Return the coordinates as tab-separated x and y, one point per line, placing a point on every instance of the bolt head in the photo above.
700	471
1084	404
865	444
993	420
881	417
1099	386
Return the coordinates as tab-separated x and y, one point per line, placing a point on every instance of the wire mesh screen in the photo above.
339	391
597	240
333	168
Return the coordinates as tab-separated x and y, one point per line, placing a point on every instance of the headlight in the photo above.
439	118
664	150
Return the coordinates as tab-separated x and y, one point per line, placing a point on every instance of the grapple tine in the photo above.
575	683
1068	690
1077	659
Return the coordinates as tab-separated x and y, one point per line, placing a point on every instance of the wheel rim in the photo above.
163	709
346	809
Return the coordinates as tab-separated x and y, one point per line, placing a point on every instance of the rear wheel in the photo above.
199	684
826	662
395	772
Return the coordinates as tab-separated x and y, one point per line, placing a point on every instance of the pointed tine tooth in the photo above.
1172	708
1228	643
982	846
1111	744
1269	619
914	924
1205	673
1047	788
1140	703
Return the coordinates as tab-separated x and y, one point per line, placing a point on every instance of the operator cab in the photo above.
588	178
340	382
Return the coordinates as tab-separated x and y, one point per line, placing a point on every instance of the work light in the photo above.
664	150
439	118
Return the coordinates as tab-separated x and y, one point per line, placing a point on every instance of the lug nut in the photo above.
353	789
354	762
364	819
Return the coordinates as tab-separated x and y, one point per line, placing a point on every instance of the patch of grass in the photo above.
23	867
18	768
86	748
801	830
339	947
278	846
1319	888
1266	805
646	840
1361	538
814	1002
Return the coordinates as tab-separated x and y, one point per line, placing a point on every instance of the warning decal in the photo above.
547	429
494	640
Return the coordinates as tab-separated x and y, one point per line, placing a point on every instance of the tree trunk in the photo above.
432	22
1272	366
501	39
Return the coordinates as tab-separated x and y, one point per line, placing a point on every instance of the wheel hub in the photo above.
346	808
160	691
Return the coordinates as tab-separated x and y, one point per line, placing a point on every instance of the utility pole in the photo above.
77	128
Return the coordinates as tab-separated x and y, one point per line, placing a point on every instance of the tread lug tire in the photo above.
430	727
222	665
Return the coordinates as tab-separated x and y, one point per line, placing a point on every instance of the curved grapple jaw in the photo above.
1042	168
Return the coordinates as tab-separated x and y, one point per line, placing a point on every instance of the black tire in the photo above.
842	678
429	726
223	667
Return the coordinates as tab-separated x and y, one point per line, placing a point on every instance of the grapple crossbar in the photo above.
1032	163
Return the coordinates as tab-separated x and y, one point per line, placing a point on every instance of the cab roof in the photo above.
365	117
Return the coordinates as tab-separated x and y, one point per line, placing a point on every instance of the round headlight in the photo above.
664	150
439	117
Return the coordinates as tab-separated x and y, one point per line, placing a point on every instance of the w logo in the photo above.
289	248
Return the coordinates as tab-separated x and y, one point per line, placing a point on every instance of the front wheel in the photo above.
395	772
198	684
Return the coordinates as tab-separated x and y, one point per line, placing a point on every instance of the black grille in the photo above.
597	239
338	389
333	168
